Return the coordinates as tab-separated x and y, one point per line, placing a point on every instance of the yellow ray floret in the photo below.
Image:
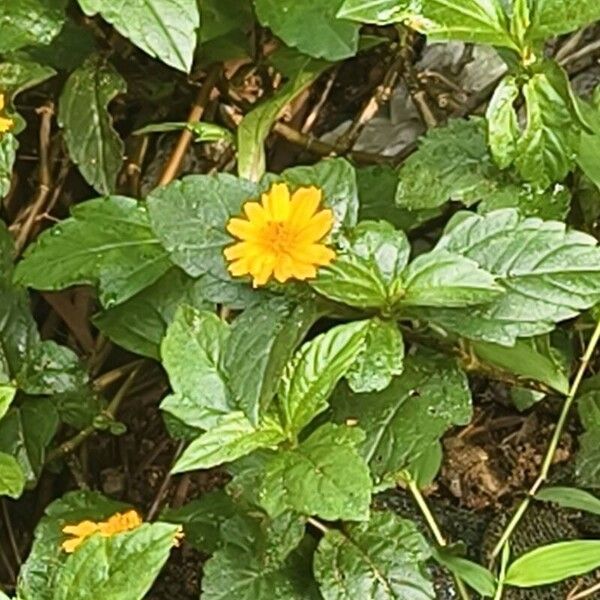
118	523
5	123
281	236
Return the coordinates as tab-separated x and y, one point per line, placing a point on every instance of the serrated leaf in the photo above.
570	497
38	574
382	558
263	339
588	455
193	356
550	274
154	309
25	433
93	143
554	562
503	125
256	125
379	12
405	419
555	17
475	21
107	242
312	27
189	217
476	576
233	437
165	29
381	359
12	479
312	374
30	22
323	476
444	279
8	154
366	272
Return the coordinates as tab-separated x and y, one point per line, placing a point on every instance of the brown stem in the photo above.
11	533
165	484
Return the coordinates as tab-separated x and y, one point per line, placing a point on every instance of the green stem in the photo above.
437	533
549	457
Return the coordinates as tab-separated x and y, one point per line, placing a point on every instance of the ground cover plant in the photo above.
293	295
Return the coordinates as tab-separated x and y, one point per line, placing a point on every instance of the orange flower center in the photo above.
279	237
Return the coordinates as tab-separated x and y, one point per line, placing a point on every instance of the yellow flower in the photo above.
280	236
118	523
5	123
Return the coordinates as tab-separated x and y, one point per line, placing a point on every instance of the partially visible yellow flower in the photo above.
281	236
118	523
6	124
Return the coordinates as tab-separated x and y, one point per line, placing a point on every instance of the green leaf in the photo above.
475	21
324	476
443	279
38	574
403	421
8	154
165	29
7	395
121	567
520	22
311	27
381	359
588	455
555	17
379	12
550	274
154	309
107	242
220	17
313	373
569	497
12	479
382	558
193	356
262	341
476	576
233	437
554	562
189	218
366	273
30	22
203	132
25	433
93	143
530	359
544	151
503	125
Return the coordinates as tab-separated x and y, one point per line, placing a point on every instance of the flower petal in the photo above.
277	202
318	227
256	213
304	204
243	229
283	269
69	546
304	271
262	270
239	267
1	101
82	529
316	254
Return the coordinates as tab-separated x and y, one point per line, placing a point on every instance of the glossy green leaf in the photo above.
323	476
555	562
263	339
93	143
193	356
8	154
550	274
570	497
233	437
588	455
310	26
12	479
382	558
444	279
220	17
555	17
154	309
405	419
38	574
312	374
503	125
381	359
107	242
30	22
473	574
189	217
380	12
121	567
165	29
7	395
203	132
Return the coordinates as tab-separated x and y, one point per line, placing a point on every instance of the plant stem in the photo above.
318	525
549	457
437	533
